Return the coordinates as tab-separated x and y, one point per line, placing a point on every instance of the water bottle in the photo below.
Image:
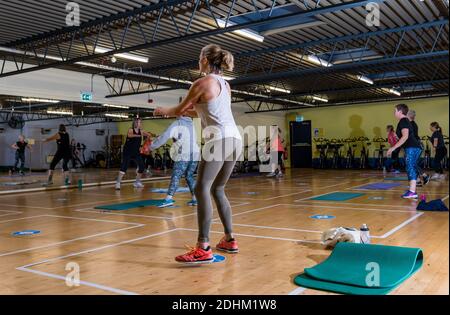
365	234
384	170
80	184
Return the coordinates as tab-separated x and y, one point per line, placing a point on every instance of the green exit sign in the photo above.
86	96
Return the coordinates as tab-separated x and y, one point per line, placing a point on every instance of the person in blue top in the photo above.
185	153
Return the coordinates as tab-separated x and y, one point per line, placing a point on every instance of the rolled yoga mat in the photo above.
348	266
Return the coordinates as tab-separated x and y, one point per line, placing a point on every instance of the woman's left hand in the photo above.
389	152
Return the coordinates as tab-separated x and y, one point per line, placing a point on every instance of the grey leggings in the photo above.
211	180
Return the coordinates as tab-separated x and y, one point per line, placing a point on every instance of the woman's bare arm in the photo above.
194	95
56	136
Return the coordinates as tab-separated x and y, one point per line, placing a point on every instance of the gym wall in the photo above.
158	126
371	119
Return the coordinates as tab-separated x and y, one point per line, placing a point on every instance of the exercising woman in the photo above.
131	151
63	152
210	98
412	118
184	152
437	141
20	147
392	140
277	152
409	142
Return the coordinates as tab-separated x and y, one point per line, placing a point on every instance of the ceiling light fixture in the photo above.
101	50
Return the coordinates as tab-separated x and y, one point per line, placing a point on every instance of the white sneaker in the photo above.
117	186
280	174
435	176
138	184
442	176
271	174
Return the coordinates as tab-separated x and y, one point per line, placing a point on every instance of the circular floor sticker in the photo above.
26	233
322	217
218	258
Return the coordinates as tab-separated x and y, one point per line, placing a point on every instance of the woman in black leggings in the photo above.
63	152
131	152
437	140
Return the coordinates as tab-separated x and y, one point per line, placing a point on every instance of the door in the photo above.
301	144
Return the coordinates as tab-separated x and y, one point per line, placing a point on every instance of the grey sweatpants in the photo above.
213	174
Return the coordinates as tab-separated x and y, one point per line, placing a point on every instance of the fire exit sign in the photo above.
86	96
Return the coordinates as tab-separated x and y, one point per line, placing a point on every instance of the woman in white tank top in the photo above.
209	98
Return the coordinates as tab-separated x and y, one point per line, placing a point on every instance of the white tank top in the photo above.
216	113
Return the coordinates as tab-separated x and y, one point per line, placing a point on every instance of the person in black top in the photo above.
412	147
437	140
63	152
20	147
131	151
412	118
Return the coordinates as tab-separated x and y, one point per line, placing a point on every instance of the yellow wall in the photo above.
370	120
156	126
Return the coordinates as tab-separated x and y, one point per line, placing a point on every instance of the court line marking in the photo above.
385	235
351	208
27	267
297	291
310	197
134	225
10	212
106	212
355	204
82	282
400	226
257	236
87	186
445	198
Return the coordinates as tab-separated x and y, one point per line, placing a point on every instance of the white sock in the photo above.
169	197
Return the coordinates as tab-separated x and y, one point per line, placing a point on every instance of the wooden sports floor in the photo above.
132	251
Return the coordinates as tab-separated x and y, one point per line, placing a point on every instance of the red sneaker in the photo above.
196	255
228	246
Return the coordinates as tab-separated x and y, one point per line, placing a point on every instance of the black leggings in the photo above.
60	155
440	155
126	160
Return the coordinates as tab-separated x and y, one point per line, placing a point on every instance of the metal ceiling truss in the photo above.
80	36
391	50
397	85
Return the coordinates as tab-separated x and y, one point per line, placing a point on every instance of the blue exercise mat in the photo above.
338	196
379	186
164	190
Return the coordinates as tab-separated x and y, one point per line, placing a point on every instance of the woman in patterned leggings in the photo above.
413	150
184	152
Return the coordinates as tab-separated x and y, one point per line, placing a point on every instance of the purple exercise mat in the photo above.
379	186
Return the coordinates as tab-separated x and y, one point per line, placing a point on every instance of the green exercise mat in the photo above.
338	196
348	266
131	205
400	178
